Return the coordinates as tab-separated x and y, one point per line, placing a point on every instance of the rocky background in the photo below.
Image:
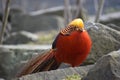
105	54
31	32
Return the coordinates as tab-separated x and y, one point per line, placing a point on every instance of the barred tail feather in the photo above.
43	62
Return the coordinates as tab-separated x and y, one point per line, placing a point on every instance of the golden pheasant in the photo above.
72	45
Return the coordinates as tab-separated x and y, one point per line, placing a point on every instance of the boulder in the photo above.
21	37
114	26
12	59
59	74
106	68
111	18
2	79
36	23
104	40
6	63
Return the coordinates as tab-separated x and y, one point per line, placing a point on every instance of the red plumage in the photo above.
73	49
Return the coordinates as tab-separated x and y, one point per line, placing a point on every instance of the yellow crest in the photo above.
77	23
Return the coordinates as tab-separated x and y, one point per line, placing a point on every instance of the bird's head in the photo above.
75	25
78	24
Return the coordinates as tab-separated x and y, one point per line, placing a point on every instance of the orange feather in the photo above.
73	49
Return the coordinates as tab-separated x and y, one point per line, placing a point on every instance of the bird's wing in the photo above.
55	41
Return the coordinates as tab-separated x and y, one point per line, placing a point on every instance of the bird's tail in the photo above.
43	62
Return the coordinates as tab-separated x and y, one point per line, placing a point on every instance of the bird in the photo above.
72	46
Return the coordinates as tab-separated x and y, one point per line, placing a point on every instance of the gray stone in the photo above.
26	48
36	23
59	74
106	68
21	37
111	18
2	79
11	60
114	26
6	63
104	40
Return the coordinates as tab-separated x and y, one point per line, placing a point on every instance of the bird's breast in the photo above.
74	48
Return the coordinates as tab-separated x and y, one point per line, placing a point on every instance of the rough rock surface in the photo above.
2	79
11	60
58	74
21	37
104	40
114	26
6	63
36	23
106	68
111	18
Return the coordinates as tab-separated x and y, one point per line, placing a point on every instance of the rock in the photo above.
6	63
111	18
114	26
11	60
104	40
59	74
26	48
50	11
2	79
21	37
36	23
106	68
